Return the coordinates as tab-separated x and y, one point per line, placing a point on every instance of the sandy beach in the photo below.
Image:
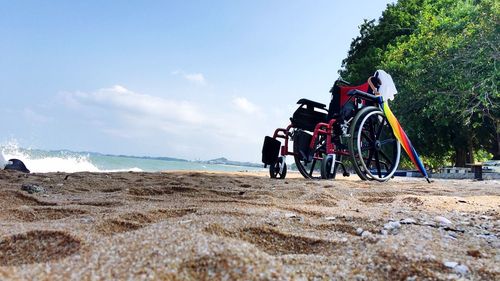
245	226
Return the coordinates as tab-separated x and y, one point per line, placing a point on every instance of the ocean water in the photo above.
41	161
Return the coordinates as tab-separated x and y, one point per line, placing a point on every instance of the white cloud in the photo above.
124	101
197	78
245	105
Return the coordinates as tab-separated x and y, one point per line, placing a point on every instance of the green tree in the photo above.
443	57
446	72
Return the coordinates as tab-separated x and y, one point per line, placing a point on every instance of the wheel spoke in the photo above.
372	128
385	157
379	132
370	157
312	167
388	141
369	140
364	134
377	164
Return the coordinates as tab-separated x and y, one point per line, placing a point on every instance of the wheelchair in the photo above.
353	128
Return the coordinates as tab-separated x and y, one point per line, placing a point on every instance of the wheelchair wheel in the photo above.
374	149
275	171
308	160
326	166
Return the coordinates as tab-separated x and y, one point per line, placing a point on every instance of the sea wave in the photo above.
39	161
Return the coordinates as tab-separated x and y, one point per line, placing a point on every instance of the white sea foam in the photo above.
47	162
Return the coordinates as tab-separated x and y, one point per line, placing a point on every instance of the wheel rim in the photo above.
276	171
377	148
353	148
326	167
307	168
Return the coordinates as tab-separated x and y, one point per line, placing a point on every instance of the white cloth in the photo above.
3	162
387	88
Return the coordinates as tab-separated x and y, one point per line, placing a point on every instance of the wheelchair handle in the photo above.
343	81
337	82
363	95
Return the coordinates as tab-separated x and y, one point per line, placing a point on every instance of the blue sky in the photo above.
187	79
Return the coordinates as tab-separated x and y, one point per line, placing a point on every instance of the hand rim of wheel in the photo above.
358	144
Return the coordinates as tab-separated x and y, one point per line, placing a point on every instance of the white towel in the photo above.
3	162
387	88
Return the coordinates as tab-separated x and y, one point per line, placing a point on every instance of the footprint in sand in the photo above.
275	242
379	200
135	220
36	214
16	198
160	190
413	201
402	267
218	266
37	246
349	225
377	197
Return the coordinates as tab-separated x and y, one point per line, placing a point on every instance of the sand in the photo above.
245	226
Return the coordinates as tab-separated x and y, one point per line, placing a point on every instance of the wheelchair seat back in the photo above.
308	115
340	98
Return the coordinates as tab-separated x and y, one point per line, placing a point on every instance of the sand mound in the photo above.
36	247
219	226
36	214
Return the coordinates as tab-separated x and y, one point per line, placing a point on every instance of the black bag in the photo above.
348	110
18	165
270	150
307	118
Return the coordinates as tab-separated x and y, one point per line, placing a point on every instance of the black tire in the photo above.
358	167
326	166
374	149
275	169
307	165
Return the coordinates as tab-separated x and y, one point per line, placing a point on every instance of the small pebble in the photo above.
87	219
461	269
442	221
290	215
451	237
450	264
366	233
392	225
359	231
32	188
330	218
408	221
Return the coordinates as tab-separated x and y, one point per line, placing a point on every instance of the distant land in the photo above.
124	156
225	161
150	158
220	161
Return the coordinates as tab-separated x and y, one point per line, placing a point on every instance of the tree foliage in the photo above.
444	63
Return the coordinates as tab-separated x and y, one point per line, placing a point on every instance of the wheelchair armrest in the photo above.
311	103
363	95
